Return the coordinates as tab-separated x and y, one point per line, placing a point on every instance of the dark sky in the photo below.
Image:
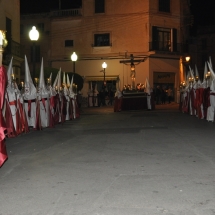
203	11
39	6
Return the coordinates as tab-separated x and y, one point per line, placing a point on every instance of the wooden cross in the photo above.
132	62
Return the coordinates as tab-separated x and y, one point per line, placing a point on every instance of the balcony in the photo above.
160	48
65	13
13	49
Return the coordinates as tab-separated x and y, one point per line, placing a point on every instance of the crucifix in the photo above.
132	64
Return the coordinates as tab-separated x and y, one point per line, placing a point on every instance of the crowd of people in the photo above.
163	95
198	97
34	105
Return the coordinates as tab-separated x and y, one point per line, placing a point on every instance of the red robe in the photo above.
3	82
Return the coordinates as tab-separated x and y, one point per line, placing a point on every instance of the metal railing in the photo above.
160	47
63	13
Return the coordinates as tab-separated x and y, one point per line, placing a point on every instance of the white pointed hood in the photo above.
55	81
64	78
50	79
30	89
70	88
67	81
59	80
71	93
197	75
147	86
211	71
10	71
42	87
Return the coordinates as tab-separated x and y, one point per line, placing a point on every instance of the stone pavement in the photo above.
105	163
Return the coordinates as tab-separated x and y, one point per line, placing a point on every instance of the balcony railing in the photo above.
70	12
14	49
159	47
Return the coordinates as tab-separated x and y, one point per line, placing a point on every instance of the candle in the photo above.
13	77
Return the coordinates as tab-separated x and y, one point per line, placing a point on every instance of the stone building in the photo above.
145	36
10	23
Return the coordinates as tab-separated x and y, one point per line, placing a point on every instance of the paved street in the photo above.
105	163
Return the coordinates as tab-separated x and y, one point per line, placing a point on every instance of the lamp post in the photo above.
34	36
104	66
74	58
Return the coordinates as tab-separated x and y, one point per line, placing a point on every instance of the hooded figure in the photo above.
74	105
211	107
66	94
29	96
56	88
14	101
52	100
65	100
199	96
148	92
11	113
43	105
118	101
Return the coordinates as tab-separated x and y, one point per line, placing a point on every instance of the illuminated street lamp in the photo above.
104	66
3	44
74	58
34	36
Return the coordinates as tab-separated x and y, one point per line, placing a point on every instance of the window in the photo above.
161	39
99	6
68	43
37	54
102	39
164	6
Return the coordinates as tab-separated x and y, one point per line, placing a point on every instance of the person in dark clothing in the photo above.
163	96
157	95
102	98
110	96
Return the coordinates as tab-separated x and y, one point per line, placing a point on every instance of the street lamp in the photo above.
34	36
74	58
104	66
3	44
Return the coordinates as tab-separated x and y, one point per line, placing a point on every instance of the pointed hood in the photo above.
64	78
50	79
196	71
147	86
30	89
205	70
10	71
59	80
42	85
55	81
67	81
70	88
211	71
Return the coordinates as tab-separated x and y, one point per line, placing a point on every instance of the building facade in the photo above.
10	23
148	36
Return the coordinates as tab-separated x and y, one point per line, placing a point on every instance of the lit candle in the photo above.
22	84
36	80
13	77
